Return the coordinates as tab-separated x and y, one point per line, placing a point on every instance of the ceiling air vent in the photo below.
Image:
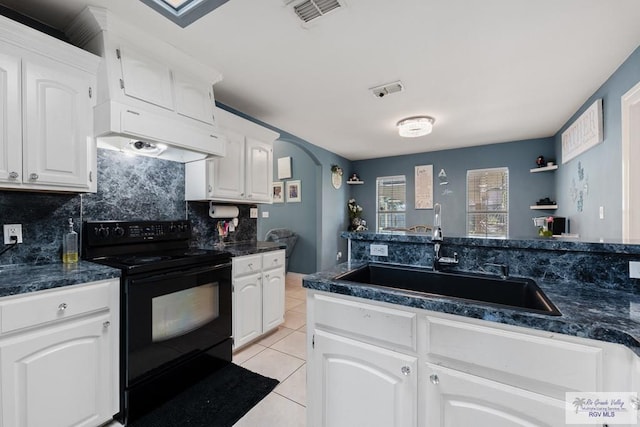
387	89
311	9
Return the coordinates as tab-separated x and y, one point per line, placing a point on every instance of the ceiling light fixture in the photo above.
184	12
412	127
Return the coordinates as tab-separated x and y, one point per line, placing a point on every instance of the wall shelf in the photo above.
354	182
544	207
544	169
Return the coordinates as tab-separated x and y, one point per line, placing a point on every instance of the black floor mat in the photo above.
219	400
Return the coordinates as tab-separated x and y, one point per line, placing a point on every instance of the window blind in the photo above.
391	202
488	202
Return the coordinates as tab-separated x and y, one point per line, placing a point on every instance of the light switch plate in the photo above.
265	214
634	269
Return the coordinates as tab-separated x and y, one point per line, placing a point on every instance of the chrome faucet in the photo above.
504	269
437	240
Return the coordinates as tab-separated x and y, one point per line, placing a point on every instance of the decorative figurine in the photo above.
540	161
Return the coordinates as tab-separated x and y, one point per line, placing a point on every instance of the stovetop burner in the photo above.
141	259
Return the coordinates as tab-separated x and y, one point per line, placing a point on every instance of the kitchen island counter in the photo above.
18	279
587	311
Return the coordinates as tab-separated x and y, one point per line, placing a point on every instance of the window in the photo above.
391	202
488	202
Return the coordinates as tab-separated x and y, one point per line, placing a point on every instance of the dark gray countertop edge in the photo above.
248	248
554	244
587	313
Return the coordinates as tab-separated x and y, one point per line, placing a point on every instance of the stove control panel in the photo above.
100	233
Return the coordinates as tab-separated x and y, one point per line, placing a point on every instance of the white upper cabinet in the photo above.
245	173
144	78
48	93
194	98
10	118
57	124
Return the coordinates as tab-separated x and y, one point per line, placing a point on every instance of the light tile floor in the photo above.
281	355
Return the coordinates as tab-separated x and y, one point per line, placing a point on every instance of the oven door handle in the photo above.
181	273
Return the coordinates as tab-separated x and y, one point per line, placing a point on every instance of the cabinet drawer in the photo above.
385	326
48	306
247	265
273	259
550	366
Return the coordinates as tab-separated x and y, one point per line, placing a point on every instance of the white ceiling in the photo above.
488	71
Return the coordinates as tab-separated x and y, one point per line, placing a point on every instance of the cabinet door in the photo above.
194	98
455	399
10	120
227	176
356	384
145	78
58	124
259	170
247	308
272	298
59	376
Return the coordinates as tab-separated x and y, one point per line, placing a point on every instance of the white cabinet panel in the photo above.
272	298
247	310
145	78
455	399
227	176
57	123
194	98
358	384
259	170
10	119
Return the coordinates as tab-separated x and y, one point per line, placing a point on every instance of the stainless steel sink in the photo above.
511	292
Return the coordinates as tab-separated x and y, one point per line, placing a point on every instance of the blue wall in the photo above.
327	205
525	187
601	165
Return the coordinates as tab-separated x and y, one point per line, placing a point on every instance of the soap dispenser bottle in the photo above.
70	245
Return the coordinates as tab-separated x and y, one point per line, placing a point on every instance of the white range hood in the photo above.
149	92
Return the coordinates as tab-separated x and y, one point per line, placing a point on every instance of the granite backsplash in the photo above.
129	188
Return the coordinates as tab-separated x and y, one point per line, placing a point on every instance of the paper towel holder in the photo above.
223	211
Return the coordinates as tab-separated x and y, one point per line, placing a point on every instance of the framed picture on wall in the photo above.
277	192
294	192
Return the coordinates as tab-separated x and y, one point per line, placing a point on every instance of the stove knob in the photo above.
102	232
173	228
180	227
185	227
118	231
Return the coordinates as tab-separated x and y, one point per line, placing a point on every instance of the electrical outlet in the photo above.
265	214
634	269
379	250
253	213
11	230
338	256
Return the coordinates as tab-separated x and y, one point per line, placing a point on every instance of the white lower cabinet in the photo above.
59	368
364	358
258	295
359	384
455	399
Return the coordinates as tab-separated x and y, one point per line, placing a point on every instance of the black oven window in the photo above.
181	312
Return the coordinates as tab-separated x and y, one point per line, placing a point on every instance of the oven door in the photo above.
174	317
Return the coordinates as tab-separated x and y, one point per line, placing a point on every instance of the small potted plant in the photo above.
356	223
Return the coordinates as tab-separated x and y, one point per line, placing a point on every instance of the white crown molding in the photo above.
26	38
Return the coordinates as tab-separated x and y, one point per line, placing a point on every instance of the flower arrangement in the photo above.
545	230
356	223
336	169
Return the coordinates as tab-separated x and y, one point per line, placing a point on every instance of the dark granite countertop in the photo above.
250	247
24	278
544	243
587	311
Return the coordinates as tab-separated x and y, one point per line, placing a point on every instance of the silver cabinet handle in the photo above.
434	379
405	370
34	176
210	189
90	176
62	307
106	324
14	175
266	276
